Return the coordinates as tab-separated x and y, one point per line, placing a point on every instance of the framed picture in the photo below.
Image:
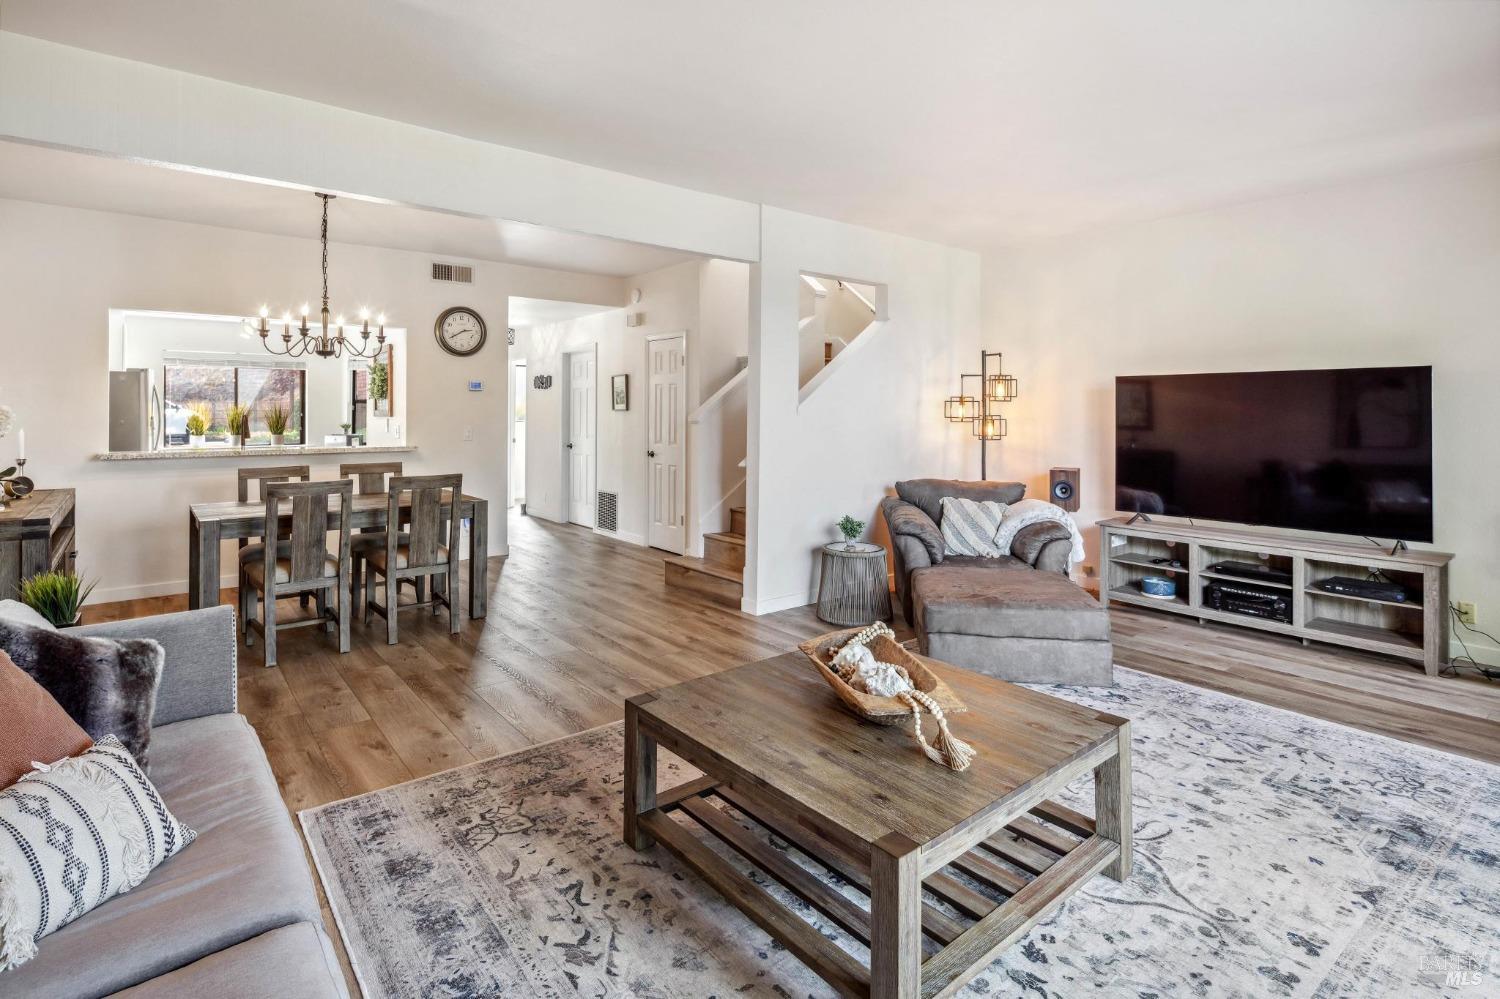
382	382
620	391
1133	404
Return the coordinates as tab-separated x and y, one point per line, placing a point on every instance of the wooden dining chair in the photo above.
370	477
424	550
296	559
251	487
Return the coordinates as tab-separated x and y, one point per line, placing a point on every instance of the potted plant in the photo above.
239	425
380	381
347	429
200	414
276	421
57	596
850	529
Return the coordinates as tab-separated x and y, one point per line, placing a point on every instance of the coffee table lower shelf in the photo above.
990	896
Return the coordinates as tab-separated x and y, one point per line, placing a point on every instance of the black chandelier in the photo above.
299	340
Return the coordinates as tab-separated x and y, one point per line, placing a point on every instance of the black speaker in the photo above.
1064	491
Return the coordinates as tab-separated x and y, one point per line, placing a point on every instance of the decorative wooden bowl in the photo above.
884	710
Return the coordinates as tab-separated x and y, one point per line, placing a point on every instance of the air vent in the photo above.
461	273
608	516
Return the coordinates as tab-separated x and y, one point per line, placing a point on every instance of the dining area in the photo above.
343	548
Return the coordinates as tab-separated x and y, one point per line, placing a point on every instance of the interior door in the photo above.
580	443
666	428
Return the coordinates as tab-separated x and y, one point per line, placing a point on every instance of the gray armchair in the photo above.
912	517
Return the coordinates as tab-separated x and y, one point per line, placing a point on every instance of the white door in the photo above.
579	446
666	427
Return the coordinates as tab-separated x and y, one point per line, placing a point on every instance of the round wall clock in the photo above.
460	331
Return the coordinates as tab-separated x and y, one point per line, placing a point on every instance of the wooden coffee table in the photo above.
860	799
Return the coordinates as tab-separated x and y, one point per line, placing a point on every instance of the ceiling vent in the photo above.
460	273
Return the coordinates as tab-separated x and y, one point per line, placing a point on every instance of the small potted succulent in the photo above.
239	425
57	596
276	421
199	417
851	530
348	431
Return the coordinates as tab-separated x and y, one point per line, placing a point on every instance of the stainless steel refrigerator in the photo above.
134	411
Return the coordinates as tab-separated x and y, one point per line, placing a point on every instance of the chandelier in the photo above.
982	411
299	340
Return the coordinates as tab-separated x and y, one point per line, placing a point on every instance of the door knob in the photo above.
651	454
570	445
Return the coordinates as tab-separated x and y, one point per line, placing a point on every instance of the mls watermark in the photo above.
1455	971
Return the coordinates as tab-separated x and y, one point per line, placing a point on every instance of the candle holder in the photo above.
15	486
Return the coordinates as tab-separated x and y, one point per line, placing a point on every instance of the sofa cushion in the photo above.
927	494
107	687
245	875
291	961
957	599
19	613
904	520
983	562
36	727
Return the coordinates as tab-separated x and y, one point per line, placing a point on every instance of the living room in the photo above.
1113	614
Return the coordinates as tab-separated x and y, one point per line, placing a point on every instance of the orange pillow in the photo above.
36	727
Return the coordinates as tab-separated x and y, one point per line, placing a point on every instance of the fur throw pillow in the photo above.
107	687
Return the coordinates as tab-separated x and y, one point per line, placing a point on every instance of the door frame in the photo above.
566	425
688	520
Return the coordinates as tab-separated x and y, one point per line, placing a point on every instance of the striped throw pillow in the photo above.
73	836
969	526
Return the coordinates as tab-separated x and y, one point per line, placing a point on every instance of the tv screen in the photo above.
1345	451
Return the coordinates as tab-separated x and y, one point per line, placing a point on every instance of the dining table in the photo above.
211	523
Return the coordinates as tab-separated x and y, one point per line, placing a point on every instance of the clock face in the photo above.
460	331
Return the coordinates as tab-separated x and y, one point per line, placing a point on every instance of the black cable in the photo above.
1488	672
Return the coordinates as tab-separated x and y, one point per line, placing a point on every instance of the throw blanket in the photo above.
1035	511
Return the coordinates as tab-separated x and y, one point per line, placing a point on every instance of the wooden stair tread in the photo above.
708	568
728	537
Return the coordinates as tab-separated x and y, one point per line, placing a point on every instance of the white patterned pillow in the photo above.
969	526
73	836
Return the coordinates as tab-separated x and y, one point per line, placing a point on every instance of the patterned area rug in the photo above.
1276	855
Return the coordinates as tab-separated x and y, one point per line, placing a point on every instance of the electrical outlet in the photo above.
1466	613
468	433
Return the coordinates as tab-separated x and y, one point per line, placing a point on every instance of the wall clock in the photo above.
460	331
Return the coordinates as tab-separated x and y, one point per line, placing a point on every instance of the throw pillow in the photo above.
108	687
36	727
927	494
969	526
75	835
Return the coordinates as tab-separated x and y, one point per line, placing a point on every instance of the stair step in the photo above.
737	520
724	549
717	582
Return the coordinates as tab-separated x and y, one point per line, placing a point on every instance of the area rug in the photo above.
1276	855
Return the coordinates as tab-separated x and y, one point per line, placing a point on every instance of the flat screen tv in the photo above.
1345	451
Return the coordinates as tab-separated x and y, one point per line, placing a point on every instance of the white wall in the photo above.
1390	271
63	269
875	419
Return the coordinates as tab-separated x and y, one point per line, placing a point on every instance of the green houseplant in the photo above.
57	596
276	421
200	414
850	529
239	425
380	381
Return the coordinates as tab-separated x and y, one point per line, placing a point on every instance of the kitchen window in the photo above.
190	385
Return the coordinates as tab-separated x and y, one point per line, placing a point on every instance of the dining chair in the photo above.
370	477
259	478
296	559
422	551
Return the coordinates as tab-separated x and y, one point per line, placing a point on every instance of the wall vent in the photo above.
461	273
608	516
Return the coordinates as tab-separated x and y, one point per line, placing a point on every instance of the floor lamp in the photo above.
982	410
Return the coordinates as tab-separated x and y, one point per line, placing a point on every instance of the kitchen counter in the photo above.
212	451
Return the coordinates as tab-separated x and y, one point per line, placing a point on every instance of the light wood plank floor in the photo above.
578	622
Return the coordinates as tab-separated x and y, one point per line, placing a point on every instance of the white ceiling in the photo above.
542	311
58	177
973	122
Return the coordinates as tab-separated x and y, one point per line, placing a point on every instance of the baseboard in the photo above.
627	536
172	587
771	605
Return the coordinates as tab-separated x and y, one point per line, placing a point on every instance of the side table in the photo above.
854	588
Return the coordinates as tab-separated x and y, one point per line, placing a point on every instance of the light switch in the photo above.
468	433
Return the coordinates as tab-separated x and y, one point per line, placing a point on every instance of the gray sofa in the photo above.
1018	616
235	914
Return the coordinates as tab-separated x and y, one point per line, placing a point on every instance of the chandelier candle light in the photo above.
982	411
324	344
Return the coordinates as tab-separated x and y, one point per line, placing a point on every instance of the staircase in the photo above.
719	574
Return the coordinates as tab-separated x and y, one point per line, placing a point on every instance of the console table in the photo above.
1415	629
36	534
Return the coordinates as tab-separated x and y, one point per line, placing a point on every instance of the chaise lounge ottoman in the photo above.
1013	624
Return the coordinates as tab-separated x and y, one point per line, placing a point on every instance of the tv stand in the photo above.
1416	629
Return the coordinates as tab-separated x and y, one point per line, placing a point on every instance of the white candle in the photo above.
21	444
